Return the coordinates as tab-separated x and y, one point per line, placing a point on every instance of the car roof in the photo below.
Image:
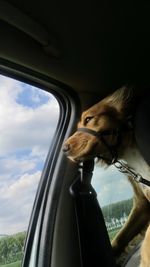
99	46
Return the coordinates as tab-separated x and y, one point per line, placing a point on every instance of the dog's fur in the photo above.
145	250
110	113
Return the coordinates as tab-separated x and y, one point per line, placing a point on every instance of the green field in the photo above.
11	250
14	264
112	233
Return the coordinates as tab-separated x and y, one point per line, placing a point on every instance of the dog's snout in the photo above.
66	148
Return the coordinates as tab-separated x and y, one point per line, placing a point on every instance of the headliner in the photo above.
101	46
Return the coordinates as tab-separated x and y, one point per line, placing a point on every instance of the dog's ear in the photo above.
121	99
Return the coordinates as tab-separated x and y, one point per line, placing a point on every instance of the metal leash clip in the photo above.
127	170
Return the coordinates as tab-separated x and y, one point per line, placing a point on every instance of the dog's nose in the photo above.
66	147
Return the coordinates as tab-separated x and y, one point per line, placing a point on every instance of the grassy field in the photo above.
14	264
113	233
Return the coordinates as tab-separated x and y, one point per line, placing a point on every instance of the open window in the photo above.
114	194
36	199
29	117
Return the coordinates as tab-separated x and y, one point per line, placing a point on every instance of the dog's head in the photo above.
107	116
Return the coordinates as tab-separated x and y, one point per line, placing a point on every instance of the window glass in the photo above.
28	119
114	194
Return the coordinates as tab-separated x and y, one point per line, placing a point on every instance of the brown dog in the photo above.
105	131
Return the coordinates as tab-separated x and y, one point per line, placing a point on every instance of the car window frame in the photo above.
34	251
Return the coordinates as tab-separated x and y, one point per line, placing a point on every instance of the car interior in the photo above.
80	52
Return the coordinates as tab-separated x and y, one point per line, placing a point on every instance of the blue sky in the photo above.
28	118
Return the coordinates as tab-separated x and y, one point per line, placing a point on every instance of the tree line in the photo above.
11	248
117	210
115	215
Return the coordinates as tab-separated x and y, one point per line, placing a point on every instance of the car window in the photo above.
114	194
28	119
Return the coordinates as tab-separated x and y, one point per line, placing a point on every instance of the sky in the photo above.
110	185
28	119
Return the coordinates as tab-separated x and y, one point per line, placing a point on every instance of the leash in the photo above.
122	167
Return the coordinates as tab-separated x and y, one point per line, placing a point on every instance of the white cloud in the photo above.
25	135
25	127
111	185
12	167
16	200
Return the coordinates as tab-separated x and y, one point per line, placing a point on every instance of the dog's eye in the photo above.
87	119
